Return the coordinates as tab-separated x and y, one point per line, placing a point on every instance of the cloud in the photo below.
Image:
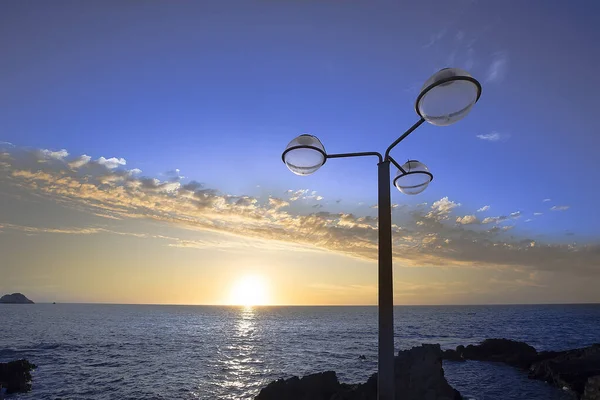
57	155
546	200
528	220
515	215
494	220
467	220
436	37
192	186
494	136
560	208
422	236
66	231
80	161
277	203
484	208
300	194
111	163
6	144
135	171
441	209
537	214
498	68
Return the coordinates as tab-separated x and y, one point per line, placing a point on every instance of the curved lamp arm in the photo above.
401	138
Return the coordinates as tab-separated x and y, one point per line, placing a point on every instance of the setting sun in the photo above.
249	290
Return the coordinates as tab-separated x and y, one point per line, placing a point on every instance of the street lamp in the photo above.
445	98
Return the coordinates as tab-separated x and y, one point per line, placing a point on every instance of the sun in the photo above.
249	290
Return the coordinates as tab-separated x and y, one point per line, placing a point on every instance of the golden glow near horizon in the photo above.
250	290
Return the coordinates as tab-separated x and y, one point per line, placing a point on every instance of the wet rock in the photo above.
15	376
452	355
511	352
321	386
571	368
592	389
418	376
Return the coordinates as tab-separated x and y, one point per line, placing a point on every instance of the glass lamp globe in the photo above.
447	96
304	155
414	179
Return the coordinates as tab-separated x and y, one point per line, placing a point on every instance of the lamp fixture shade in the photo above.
414	178
447	96
304	155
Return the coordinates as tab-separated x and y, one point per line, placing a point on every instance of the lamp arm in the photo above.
396	164
363	154
404	135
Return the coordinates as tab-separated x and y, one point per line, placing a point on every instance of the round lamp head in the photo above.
304	155
414	179
447	96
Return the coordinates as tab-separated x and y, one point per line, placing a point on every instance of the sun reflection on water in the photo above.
242	363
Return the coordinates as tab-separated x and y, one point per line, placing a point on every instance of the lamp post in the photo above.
445	98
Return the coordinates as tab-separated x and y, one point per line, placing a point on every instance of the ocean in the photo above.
91	351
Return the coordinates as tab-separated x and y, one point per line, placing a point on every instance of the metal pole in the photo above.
385	367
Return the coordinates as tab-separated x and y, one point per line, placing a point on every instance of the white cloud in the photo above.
303	194
516	214
484	208
467	220
441	208
80	161
546	200
494	220
434	38
528	220
434	239
498	67
57	155
111	163
135	171
494	136
560	208
537	214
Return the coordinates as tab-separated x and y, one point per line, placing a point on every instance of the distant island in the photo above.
15	298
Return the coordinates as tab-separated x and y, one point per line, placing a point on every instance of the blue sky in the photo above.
217	90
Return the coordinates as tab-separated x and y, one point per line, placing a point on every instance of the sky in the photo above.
140	151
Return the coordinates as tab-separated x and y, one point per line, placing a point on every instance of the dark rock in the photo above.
362	357
321	386
15	298
511	352
418	376
571	368
15	376
452	355
592	389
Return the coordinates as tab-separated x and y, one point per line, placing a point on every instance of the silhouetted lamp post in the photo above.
445	98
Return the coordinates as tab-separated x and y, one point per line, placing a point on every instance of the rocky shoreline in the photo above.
15	376
577	370
420	376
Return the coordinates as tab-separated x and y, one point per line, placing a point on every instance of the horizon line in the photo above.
316	305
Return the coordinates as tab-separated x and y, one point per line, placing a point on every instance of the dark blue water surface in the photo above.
198	352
